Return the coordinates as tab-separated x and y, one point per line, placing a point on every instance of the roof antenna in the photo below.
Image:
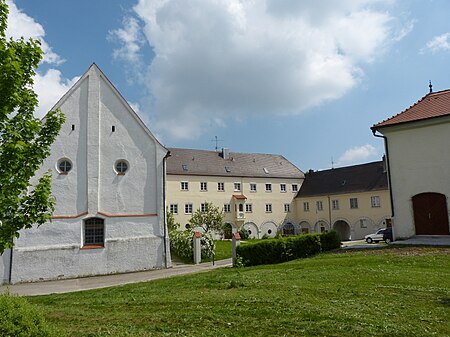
217	141
431	87
332	163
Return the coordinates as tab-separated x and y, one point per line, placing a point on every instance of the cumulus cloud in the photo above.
50	87
221	59
358	154
438	44
22	25
131	38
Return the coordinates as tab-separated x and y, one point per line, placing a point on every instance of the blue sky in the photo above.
305	79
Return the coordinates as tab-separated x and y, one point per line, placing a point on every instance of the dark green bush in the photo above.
19	318
245	235
281	250
330	241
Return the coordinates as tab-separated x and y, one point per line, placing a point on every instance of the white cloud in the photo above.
131	38
437	44
50	87
221	59
22	25
358	154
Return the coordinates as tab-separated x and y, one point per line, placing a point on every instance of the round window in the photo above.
121	166
64	165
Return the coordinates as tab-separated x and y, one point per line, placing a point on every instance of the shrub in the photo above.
245	235
285	249
182	244
330	241
21	319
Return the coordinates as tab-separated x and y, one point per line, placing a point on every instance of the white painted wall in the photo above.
419	158
131	205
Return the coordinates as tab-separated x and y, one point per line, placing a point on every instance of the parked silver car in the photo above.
375	237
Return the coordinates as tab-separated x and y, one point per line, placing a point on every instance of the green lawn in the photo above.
389	292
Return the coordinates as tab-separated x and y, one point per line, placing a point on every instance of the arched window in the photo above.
94	232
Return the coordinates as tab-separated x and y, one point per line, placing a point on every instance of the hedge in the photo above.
19	318
285	249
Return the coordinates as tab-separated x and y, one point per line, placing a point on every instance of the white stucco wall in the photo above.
131	205
419	158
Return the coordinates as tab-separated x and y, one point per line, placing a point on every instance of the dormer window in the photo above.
185	167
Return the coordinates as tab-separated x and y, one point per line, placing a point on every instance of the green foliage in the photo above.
210	220
24	139
245	235
278	250
330	241
21	319
171	224
182	245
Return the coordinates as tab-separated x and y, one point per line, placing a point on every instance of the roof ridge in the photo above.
213	151
424	108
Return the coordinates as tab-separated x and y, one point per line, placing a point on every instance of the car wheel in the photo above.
387	240
369	240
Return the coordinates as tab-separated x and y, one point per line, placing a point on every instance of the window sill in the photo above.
92	246
63	173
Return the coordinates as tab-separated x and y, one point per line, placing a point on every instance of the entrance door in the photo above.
343	229
430	214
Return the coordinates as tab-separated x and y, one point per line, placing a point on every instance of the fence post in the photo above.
235	242
197	248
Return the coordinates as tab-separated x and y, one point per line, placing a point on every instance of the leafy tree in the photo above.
210	220
24	140
171	224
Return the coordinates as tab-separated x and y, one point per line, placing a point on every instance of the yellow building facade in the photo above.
352	200
255	191
267	194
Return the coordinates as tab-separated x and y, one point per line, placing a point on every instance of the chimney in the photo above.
384	164
225	153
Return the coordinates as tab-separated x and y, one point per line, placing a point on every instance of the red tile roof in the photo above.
240	196
434	104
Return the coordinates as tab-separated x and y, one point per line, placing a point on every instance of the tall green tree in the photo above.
210	220
24	139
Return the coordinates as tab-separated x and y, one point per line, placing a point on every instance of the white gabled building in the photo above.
417	145
108	178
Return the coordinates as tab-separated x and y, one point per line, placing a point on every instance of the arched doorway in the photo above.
430	214
343	229
227	231
304	227
288	229
320	226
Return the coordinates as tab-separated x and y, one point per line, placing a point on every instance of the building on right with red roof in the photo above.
417	144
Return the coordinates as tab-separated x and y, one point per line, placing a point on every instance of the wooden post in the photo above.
236	241
197	248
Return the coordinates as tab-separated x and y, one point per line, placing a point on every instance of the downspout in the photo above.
388	168
10	263
329	212
166	256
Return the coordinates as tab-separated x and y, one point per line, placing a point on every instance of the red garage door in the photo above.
430	214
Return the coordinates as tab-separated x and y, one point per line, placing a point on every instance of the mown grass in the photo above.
223	251
389	292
